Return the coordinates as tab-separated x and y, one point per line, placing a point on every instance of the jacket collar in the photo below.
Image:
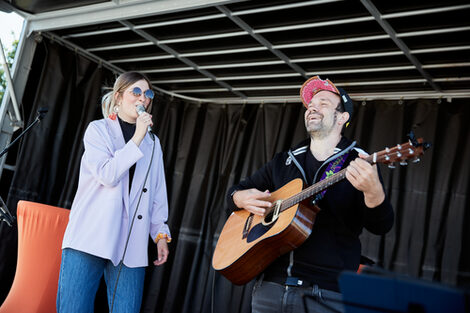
343	143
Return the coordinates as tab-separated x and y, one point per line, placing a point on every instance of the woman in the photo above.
120	200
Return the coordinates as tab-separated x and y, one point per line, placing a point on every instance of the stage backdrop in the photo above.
208	147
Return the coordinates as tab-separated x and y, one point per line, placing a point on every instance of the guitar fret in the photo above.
313	190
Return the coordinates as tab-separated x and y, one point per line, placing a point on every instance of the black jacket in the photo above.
334	243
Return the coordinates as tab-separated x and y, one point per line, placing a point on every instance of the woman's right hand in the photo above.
142	123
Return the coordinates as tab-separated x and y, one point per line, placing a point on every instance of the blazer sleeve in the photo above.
158	227
106	164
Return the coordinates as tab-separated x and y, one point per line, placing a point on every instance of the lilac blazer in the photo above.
103	207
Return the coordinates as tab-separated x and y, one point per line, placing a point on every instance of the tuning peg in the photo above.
403	163
413	139
416	160
391	165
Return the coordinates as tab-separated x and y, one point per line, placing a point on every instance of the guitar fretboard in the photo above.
399	153
313	190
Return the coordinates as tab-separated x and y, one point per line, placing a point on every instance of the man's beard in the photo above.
320	131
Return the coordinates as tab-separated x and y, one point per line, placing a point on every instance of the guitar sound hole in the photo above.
269	218
273	215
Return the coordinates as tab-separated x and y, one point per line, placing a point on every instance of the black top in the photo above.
333	245
128	131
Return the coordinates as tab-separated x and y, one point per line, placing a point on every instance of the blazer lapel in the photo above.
117	140
141	169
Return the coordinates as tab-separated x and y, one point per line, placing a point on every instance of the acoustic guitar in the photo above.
248	243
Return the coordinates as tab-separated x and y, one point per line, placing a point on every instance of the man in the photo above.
346	208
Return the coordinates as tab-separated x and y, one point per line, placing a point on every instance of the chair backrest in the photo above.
40	231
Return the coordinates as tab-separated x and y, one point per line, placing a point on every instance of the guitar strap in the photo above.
333	167
291	155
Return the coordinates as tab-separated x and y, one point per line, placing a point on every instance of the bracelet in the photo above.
161	236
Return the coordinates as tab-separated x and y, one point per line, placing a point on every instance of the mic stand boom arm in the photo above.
41	113
5	215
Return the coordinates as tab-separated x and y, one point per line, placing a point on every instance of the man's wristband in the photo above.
233	192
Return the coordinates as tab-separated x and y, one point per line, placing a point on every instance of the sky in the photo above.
10	22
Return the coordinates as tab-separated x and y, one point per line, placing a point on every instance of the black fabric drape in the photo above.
430	198
209	147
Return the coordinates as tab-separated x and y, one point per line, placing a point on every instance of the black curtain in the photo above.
208	147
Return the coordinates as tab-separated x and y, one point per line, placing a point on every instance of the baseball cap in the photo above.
315	84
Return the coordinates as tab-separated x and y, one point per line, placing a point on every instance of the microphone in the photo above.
140	109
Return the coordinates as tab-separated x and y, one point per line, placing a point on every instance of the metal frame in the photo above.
10	122
123	10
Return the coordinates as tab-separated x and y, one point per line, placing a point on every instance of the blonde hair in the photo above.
108	102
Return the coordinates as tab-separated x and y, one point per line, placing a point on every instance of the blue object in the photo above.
389	292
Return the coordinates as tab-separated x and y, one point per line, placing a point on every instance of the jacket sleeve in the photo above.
106	165
261	180
379	220
158	227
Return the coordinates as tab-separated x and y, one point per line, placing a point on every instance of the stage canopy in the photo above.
226	51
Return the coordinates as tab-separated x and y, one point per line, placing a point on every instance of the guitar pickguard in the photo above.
258	231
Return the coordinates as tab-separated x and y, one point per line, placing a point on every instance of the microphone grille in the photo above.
140	109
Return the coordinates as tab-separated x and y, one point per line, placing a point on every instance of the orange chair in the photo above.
40	231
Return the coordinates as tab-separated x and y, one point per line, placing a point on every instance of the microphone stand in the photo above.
41	113
5	214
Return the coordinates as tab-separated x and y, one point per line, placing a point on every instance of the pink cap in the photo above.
314	85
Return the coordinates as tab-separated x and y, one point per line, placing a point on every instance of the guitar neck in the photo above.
400	153
314	189
320	186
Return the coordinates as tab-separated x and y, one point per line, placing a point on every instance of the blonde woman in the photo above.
121	199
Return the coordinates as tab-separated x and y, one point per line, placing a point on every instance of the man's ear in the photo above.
344	117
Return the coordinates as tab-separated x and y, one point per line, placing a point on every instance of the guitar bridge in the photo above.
272	216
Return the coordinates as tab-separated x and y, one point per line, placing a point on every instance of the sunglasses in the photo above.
137	92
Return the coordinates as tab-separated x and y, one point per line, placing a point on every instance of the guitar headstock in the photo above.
401	153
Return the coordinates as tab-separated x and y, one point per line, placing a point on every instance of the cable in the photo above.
132	224
213	292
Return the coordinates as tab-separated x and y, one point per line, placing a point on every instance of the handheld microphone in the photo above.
140	109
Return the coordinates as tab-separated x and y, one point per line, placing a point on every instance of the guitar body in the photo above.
246	246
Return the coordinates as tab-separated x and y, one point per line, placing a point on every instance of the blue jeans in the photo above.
79	279
269	297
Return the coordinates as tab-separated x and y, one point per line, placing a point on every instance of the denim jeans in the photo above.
79	279
269	297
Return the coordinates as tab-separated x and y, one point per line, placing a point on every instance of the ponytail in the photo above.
107	104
